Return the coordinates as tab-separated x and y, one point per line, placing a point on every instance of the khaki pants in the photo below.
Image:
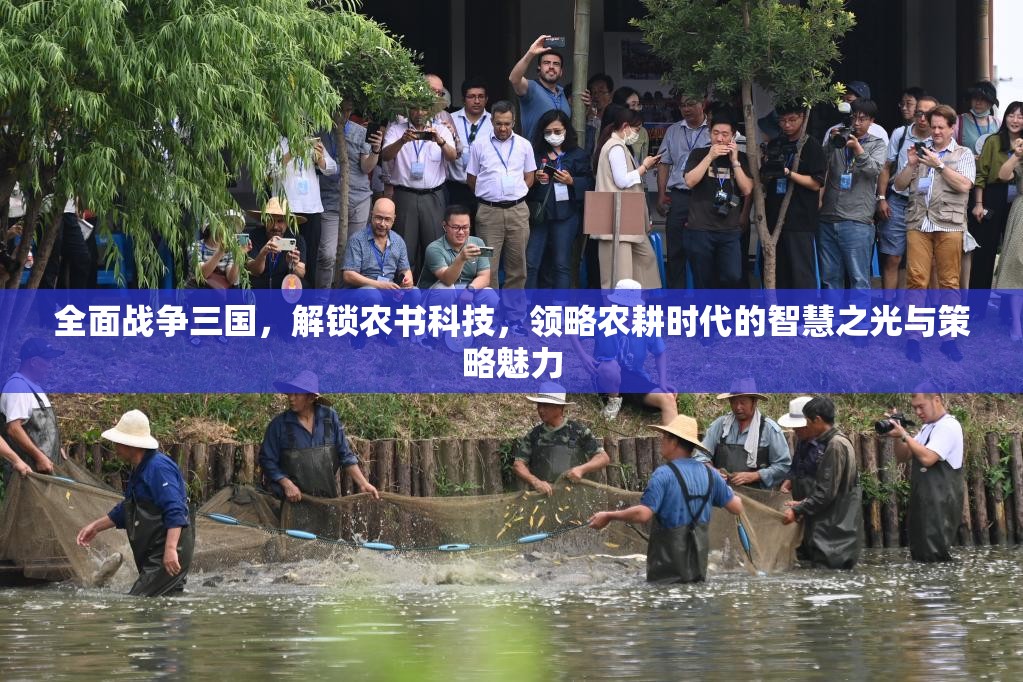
507	231
943	249
635	261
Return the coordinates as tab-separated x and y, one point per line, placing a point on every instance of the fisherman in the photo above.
28	421
832	510
305	446
154	511
749	447
678	499
556	445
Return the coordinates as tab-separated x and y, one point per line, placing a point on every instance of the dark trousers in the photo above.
73	261
796	259
715	257
459	193
418	219
310	231
674	226
988	233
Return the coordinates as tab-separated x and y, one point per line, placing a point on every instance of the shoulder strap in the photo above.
902	141
687	498
38	399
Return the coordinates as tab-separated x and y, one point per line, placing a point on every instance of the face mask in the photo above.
631	138
554	140
981	114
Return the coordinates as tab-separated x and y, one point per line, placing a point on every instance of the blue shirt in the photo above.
778	456
663	495
277	439
537	101
679	140
630	351
158	480
363	256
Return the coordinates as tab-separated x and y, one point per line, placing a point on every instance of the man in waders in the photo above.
936	483
748	447
154	511
832	510
678	499
28	422
305	446
556	445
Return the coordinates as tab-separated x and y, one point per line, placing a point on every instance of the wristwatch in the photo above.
881	197
941	166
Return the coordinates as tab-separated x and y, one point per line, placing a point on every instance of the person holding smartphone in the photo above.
271	263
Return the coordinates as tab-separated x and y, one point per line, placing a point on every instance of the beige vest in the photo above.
605	182
947	207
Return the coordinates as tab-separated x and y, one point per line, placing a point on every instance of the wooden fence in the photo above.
992	500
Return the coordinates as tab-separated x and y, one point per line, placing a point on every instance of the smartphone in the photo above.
243	239
372	128
421	135
549	169
487	251
286	244
920	147
554	41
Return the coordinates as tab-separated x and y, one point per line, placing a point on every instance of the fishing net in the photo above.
42	515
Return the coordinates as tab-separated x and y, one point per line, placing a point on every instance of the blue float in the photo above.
300	534
536	537
378	546
65	479
744	539
455	547
224	518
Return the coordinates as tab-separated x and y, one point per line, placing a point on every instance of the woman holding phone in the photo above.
556	201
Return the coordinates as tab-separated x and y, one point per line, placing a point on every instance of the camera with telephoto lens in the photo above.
724	202
883	426
775	161
843	131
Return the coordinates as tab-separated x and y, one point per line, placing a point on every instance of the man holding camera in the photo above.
537	97
845	238
719	178
420	153
936	479
939	181
832	510
783	177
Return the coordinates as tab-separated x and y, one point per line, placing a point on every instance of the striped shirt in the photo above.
965	166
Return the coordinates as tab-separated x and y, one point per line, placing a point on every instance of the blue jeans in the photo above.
553	238
715	257
845	248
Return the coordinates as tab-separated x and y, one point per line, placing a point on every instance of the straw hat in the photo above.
275	207
304	382
628	292
132	430
744	386
683	427
550	393
795	417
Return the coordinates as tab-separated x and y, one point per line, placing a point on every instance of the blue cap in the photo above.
861	89
39	348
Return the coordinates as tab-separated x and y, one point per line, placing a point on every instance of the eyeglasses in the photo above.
920	114
458	228
860	118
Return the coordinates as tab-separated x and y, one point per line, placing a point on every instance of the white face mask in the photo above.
631	137
981	114
554	140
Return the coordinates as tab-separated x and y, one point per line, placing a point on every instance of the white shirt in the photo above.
17	401
944	438
485	128
426	152
299	181
623	177
500	167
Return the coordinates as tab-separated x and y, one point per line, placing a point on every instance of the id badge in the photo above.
923	185
382	278
303	186
781	186
509	184
560	192
418	170
465	156
845	181
291	288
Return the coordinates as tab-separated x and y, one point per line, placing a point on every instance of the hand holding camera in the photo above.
894	426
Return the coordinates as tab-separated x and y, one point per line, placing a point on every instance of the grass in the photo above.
243	417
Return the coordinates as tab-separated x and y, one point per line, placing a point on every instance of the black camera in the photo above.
775	161
724	202
841	136
883	426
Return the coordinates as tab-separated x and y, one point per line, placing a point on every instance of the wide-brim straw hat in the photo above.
132	430
627	292
275	207
550	394
684	427
743	387
795	418
303	382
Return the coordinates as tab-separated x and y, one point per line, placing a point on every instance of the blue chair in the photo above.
657	243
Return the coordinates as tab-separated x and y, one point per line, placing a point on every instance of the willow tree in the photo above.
728	45
146	110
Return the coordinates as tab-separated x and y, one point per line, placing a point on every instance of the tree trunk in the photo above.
340	119
580	64
759	217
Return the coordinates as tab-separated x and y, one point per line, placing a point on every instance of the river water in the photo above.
531	617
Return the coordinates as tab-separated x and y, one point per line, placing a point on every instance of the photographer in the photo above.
796	258
936	481
846	232
719	178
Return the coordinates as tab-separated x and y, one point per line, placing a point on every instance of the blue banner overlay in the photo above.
362	341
